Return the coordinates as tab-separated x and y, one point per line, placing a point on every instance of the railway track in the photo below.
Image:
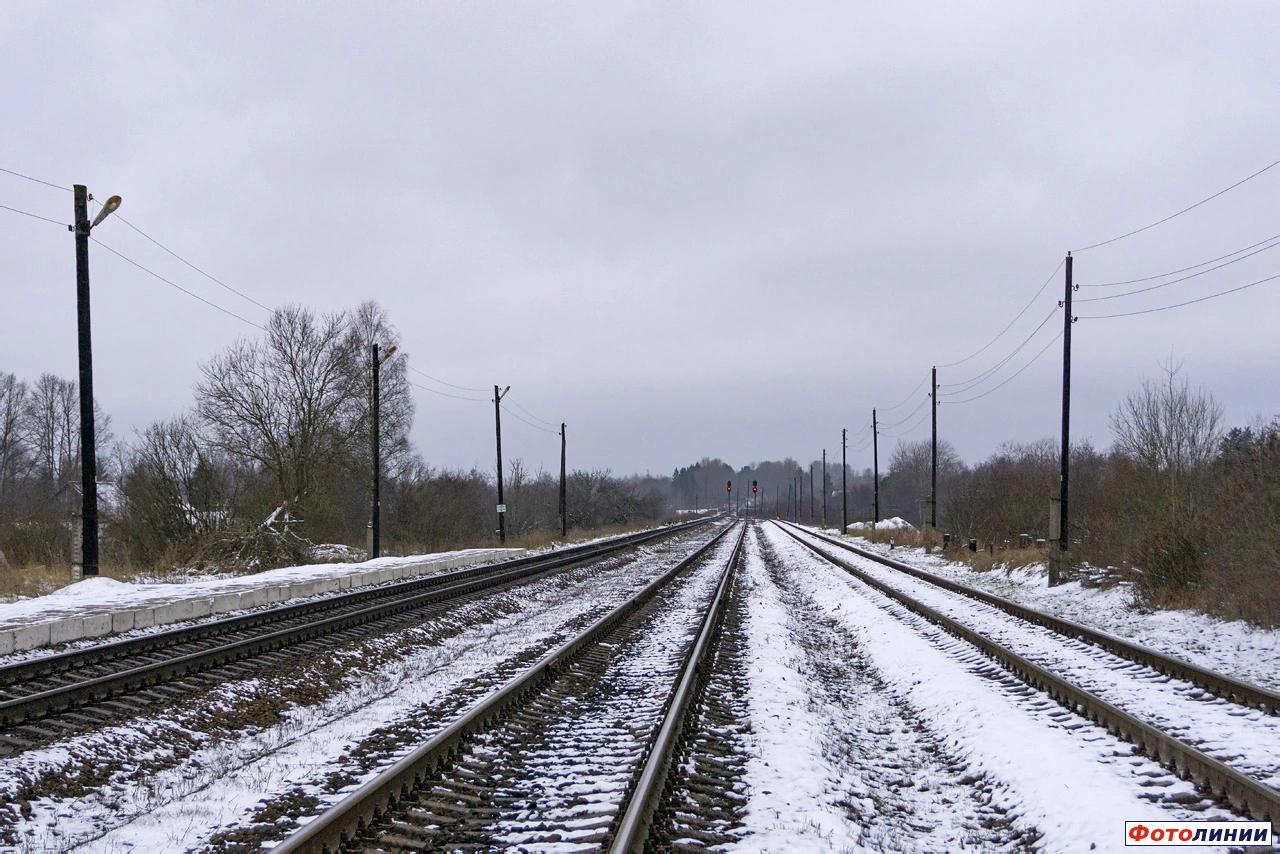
1226	743
572	752
47	697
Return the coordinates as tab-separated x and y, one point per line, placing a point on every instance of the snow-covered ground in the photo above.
183	783
1232	647
1052	776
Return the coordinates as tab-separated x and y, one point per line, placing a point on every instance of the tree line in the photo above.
1186	508
272	458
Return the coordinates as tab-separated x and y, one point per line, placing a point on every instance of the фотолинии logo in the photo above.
1197	833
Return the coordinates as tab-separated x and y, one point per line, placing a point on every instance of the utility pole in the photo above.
564	495
1063	491
933	468
375	519
875	470
824	487
497	423
811	465
88	448
844	481
87	566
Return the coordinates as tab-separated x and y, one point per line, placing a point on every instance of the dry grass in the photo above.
18	582
980	561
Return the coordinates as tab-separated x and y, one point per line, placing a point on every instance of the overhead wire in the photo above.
1181	270
1176	281
976	380
1180	304
173	284
1179	213
34	215
447	383
1016	318
551	424
908	416
905	431
1009	378
518	417
443	393
208	276
906	399
36	180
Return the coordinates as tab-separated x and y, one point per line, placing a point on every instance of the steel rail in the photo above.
642	804
1227	687
103	652
344	820
1245	794
427	591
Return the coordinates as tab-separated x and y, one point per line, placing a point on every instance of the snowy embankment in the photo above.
101	606
1232	647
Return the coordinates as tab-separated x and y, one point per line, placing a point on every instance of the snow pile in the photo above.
897	523
106	594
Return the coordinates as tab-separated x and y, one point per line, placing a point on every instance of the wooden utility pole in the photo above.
375	517
564	502
844	481
497	424
1064	539
933	468
875	470
88	447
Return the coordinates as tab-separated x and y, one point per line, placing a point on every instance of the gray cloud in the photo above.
684	229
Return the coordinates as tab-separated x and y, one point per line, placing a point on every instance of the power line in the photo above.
172	284
517	417
33	215
973	381
531	415
208	276
1011	377
906	399
1016	318
1179	213
442	393
908	416
35	180
1180	304
1182	279
907	430
1182	270
449	384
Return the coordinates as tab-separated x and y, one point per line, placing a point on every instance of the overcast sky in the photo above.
685	229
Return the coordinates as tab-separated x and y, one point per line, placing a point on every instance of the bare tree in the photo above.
290	402
14	455
1171	429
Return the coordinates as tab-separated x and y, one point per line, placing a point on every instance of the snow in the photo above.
1071	781
895	523
223	781
1232	647
106	594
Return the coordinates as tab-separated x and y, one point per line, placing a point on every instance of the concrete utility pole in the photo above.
875	469
497	423
844	481
811	465
933	468
87	566
564	502
824	487
1064	538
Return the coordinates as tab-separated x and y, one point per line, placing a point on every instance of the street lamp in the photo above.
87	566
